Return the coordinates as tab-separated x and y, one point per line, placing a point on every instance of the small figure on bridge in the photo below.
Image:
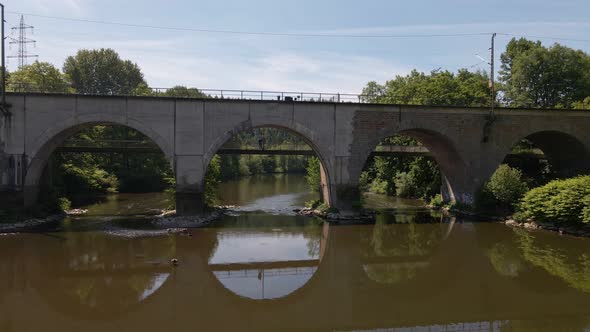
261	142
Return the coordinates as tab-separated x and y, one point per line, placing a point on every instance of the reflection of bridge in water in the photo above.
456	285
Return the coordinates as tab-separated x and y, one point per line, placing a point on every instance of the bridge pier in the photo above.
189	204
190	184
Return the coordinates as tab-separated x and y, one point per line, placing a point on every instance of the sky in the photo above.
328	48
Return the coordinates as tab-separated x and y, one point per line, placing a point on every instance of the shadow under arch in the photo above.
444	152
297	130
44	146
566	153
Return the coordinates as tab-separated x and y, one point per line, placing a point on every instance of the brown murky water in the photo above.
259	270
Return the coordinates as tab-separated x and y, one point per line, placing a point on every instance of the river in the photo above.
263	268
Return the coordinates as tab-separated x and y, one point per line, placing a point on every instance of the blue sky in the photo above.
315	64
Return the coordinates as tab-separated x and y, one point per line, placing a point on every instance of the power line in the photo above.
257	33
286	34
545	37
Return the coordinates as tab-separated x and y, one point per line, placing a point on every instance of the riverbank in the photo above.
578	230
31	225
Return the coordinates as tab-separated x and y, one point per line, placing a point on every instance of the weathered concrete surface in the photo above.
189	132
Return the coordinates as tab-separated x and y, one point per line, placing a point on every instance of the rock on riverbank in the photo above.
573	229
339	217
169	219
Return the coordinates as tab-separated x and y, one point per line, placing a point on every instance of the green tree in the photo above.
536	76
464	88
38	77
102	72
184	92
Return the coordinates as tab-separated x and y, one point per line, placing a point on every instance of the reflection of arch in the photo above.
44	145
298	130
444	152
565	152
93	281
301	290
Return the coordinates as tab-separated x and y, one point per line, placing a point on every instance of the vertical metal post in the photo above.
3	61
493	85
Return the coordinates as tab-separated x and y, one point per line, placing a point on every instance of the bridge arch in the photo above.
46	143
296	129
567	154
443	149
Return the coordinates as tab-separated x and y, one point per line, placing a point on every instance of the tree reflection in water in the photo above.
415	242
565	257
506	259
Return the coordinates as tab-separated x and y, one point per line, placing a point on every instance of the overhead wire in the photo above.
294	34
258	33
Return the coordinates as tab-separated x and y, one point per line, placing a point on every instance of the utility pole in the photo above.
492	74
3	62
22	41
3	105
491	117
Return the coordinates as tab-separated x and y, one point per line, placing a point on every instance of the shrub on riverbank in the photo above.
89	179
558	201
503	191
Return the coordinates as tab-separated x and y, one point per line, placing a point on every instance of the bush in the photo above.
313	177
585	214
365	181
64	204
404	185
88	180
379	186
558	201
506	185
313	203
437	201
212	180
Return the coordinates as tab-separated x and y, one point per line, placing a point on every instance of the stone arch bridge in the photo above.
343	135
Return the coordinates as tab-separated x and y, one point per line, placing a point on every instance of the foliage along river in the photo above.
264	268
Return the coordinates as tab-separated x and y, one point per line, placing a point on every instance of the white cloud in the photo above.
50	7
172	61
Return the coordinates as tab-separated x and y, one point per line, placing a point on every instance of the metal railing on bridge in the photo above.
146	146
197	93
117	146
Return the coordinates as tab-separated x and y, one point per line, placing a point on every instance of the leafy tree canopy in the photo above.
464	88
184	92
547	77
38	77
102	72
